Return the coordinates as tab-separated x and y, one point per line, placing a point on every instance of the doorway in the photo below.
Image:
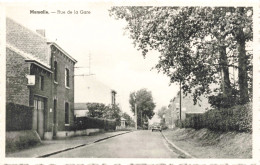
38	115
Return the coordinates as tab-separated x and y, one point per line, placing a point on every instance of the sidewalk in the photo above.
54	146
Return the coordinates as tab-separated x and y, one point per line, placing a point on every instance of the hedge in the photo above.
18	117
82	123
237	118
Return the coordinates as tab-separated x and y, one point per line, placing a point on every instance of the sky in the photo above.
114	59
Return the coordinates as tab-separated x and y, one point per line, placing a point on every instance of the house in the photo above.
80	109
90	90
187	108
39	74
62	89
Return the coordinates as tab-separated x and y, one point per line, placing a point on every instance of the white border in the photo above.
256	97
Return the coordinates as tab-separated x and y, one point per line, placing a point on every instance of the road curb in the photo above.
177	148
81	145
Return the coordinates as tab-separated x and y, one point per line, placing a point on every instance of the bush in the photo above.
18	117
82	123
237	118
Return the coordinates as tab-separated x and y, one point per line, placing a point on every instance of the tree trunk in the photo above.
242	69
242	63
226	87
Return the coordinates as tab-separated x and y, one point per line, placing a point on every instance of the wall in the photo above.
17	90
89	89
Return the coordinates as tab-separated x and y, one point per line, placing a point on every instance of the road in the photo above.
138	144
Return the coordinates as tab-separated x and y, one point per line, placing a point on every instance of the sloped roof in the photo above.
80	106
24	40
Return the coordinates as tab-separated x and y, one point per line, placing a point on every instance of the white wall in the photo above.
90	89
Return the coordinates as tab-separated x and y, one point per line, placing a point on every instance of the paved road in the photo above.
138	144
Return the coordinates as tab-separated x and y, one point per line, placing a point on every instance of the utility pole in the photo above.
135	115
141	120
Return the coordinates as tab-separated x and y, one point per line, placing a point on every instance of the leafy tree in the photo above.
100	110
198	45
113	112
144	104
97	110
161	113
129	120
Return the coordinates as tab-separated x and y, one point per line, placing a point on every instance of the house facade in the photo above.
31	67
62	90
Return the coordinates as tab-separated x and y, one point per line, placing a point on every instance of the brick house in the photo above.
39	74
62	89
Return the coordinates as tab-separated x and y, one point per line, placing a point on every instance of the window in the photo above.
55	67
67	78
66	113
41	82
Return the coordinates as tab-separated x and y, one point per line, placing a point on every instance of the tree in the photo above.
100	110
113	112
198	45
145	105
129	120
97	110
161	113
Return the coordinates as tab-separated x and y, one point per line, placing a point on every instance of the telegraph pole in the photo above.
135	115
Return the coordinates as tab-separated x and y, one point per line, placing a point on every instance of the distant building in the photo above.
80	109
90	90
187	108
39	75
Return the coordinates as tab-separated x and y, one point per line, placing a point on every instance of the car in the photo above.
156	128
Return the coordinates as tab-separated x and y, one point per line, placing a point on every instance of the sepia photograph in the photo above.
146	82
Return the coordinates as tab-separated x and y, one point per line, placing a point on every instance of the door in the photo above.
38	115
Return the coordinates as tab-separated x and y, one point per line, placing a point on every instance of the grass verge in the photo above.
204	143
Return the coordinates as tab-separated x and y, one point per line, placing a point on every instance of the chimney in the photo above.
41	32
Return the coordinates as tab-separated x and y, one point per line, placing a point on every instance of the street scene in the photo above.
106	81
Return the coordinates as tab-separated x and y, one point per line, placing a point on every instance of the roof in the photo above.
27	42
80	106
63	51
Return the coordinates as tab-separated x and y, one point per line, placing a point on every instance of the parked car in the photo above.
156	127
